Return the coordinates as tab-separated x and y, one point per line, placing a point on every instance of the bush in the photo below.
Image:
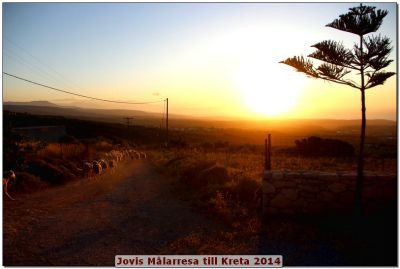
47	171
189	173
246	191
319	147
215	174
26	182
178	143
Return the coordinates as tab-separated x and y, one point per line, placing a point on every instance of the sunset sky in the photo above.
209	59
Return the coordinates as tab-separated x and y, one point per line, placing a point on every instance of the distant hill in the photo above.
109	115
350	127
32	103
48	107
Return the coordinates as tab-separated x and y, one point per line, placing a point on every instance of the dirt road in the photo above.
88	222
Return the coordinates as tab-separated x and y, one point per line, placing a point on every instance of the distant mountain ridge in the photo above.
107	115
142	117
32	103
45	107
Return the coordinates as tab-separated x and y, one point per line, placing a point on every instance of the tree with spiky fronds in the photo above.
368	58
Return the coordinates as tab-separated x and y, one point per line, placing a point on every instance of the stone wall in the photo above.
313	192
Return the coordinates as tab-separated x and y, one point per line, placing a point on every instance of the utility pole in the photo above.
167	121
128	120
267	164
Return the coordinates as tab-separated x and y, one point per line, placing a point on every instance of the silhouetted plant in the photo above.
319	147
65	140
368	59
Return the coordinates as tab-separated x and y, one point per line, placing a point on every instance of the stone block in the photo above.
346	198
268	188
280	201
307	195
291	174
325	175
268	175
309	188
301	203
348	177
314	182
330	178
284	183
290	194
287	211
389	191
276	175
385	178
267	198
310	175
370	193
271	210
337	187
315	208
326	196
370	178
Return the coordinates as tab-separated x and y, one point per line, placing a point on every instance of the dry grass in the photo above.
235	202
225	187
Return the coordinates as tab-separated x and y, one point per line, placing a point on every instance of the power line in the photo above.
65	81
81	95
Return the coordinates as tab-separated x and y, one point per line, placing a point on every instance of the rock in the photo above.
337	187
290	194
270	210
277	175
309	188
389	191
268	187
347	198
348	178
326	196
215	174
280	201
307	195
310	175
301	204
268	175
284	183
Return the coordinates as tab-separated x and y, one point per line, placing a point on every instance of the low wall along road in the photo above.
320	193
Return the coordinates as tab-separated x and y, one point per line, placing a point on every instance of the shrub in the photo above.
26	182
47	171
215	174
178	143
189	173
318	147
247	191
221	144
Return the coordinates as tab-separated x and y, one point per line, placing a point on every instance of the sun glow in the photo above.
269	90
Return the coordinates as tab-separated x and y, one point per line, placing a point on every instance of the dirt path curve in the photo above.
88	222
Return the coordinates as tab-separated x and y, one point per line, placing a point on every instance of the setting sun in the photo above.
268	90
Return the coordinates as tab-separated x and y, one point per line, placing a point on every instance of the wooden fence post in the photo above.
267	164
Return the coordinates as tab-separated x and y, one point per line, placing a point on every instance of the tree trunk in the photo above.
360	162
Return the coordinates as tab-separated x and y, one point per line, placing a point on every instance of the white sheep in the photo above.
143	155
87	169
103	164
136	154
8	176
113	165
97	169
